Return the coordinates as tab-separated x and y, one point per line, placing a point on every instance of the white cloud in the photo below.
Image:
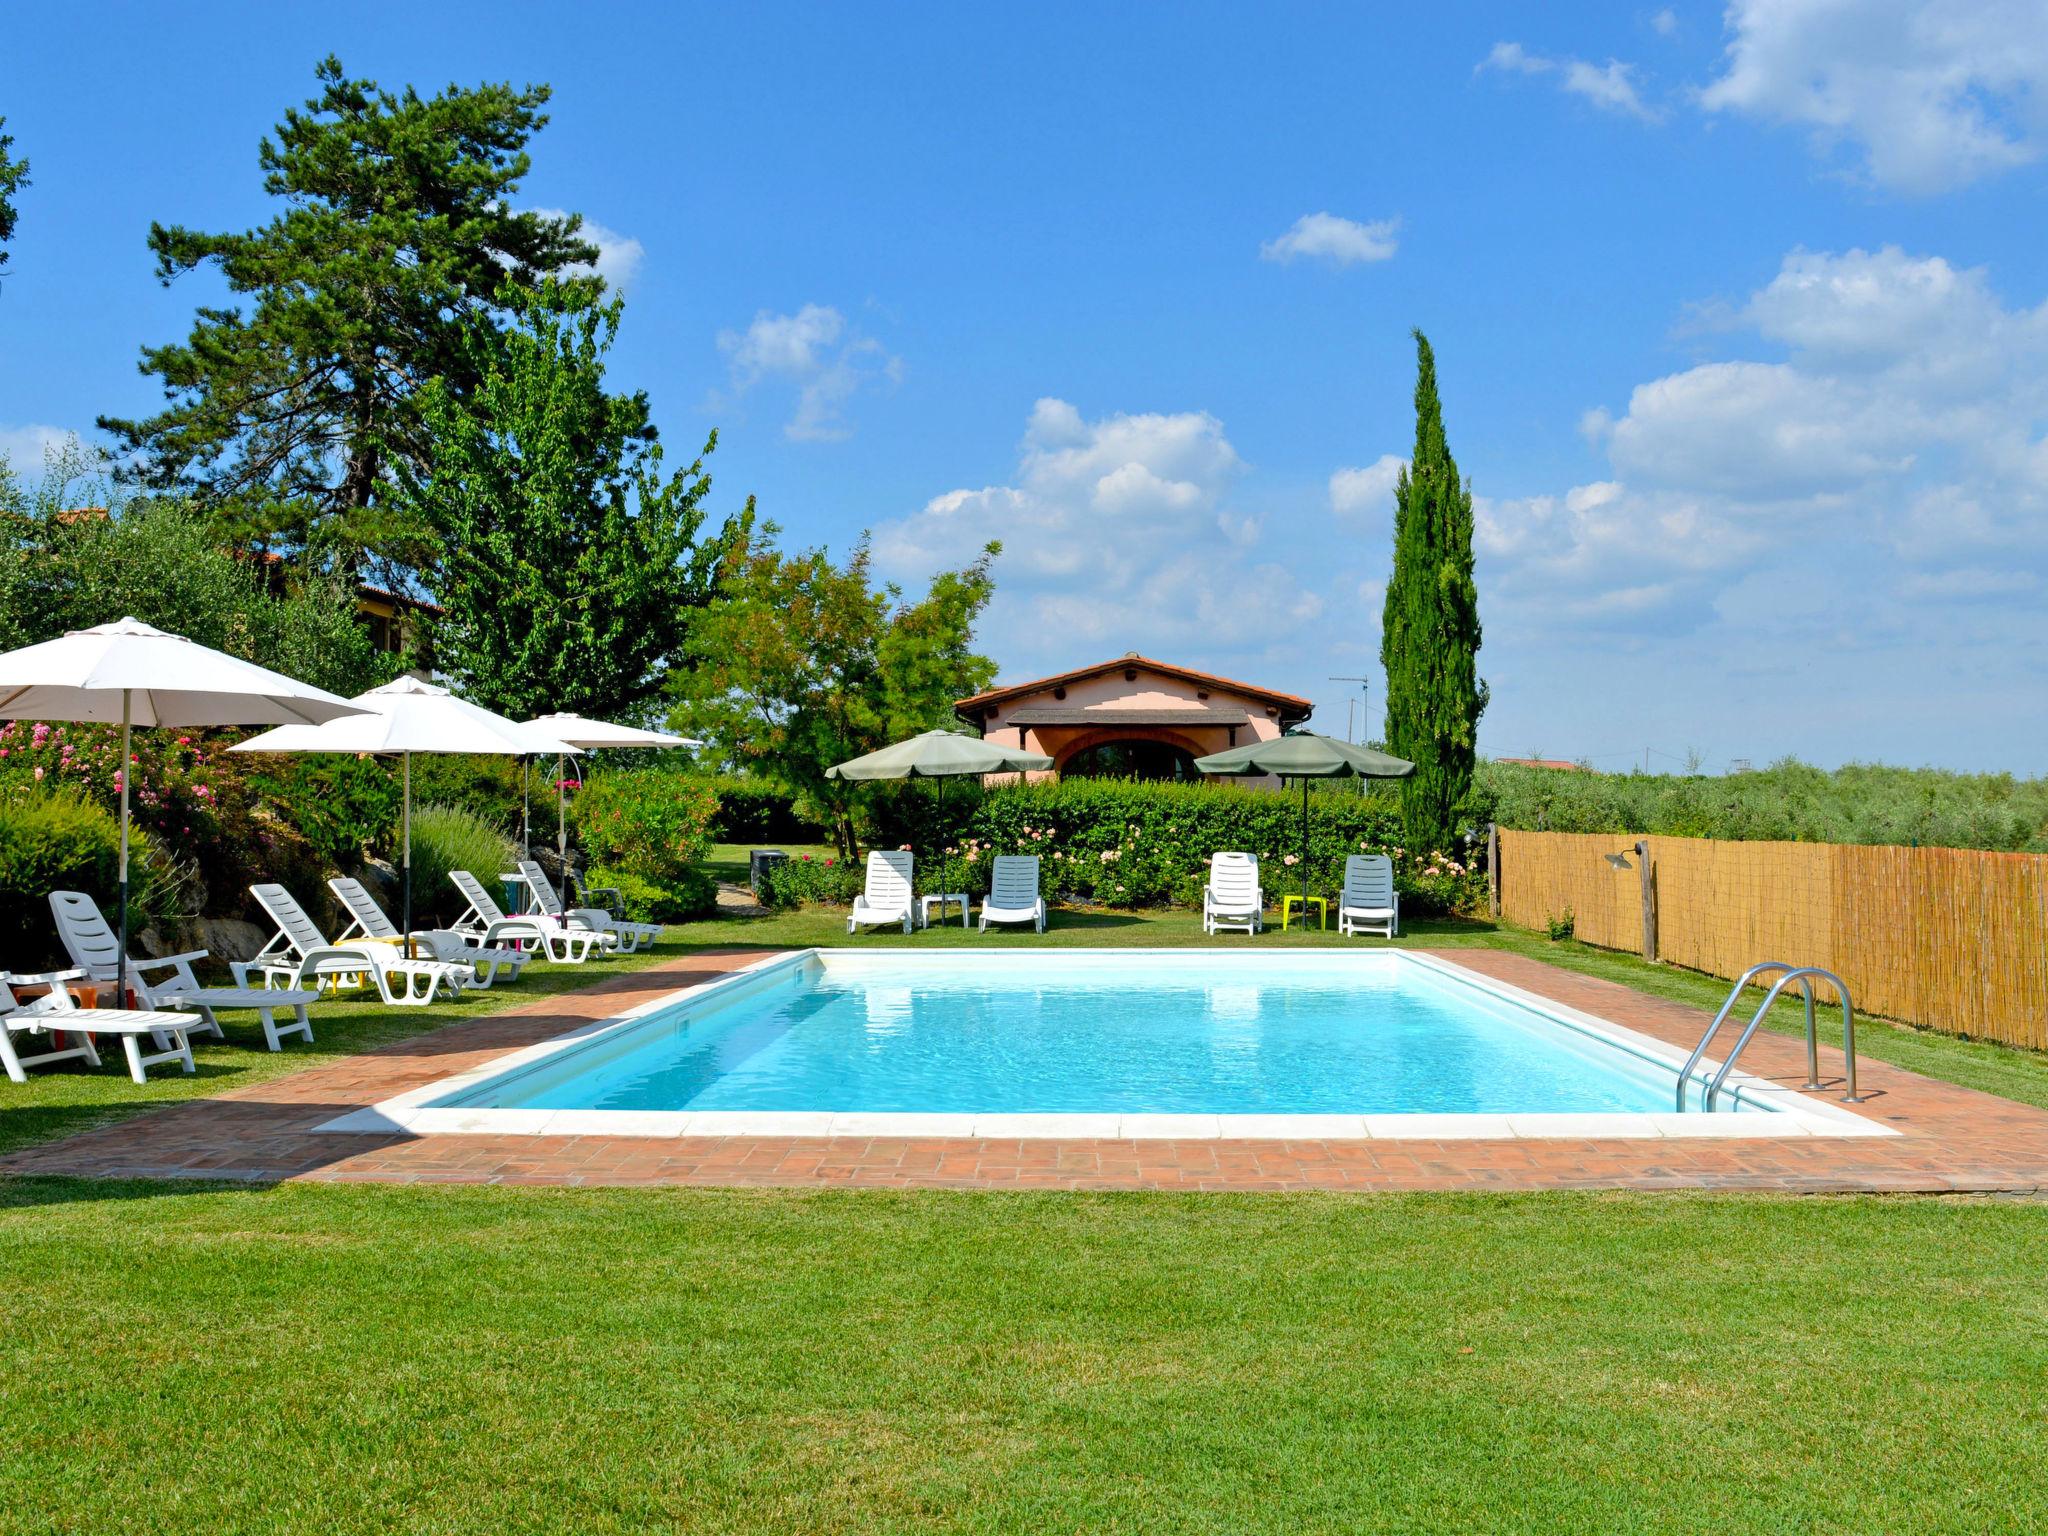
1610	86
26	448
1923	95
618	256
1367	492
1664	23
1341	242
1118	532
817	351
1897	458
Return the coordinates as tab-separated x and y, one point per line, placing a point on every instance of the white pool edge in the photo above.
1790	1113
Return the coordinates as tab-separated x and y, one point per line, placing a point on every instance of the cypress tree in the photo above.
1429	636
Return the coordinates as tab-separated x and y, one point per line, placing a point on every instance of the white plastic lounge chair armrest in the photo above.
146	963
595	917
49	978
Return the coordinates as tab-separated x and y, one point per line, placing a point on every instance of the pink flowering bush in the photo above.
655	827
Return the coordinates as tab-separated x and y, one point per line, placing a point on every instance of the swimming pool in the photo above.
1100	1043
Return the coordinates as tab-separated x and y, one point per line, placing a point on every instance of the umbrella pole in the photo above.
121	960
526	807
561	826
405	771
1304	848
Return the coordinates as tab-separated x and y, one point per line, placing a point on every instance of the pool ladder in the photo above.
1804	975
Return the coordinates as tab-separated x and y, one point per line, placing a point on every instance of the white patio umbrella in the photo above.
139	675
407	717
591	735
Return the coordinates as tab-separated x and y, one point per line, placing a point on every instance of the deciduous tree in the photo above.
800	663
575	562
13	177
1429	637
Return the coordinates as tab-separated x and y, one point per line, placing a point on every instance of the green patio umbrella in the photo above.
938	755
1305	755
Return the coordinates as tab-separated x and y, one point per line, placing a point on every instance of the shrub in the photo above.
757	811
448	837
62	841
647	823
1129	844
340	805
694	896
805	880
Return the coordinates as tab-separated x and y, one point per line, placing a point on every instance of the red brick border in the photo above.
1952	1139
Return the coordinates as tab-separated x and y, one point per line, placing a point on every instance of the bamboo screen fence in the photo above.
1950	938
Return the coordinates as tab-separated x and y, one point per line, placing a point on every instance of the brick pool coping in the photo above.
1951	1139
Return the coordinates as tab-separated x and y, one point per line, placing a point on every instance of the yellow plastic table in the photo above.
1290	904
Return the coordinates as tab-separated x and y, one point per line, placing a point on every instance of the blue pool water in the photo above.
1060	1032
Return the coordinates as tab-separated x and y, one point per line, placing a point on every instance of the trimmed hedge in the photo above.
1125	844
757	811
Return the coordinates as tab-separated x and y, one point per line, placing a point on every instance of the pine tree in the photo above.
13	177
1429	637
399	227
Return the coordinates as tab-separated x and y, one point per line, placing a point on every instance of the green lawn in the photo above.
343	1359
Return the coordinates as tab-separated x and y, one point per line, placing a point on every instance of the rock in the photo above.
230	938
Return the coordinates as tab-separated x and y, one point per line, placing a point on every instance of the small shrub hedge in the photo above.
450	837
806	880
756	811
62	841
653	827
1126	844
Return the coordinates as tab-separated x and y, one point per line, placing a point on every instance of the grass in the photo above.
345	1358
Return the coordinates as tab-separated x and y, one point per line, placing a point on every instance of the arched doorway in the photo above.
1128	758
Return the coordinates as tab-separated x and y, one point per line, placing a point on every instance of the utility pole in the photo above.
1364	713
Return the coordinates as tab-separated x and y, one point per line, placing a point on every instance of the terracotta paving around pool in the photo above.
1952	1139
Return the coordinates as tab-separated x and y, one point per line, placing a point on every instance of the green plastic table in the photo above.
1289	904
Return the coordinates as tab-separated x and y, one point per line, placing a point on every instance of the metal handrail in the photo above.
1685	1074
1803	973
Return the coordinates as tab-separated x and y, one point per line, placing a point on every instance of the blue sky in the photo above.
1741	316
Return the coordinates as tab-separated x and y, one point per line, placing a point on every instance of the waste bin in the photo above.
759	862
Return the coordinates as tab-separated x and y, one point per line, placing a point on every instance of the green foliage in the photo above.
1127	844
692	895
13	177
579	562
653	826
809	880
800	664
163	563
400	226
448	837
1787	802
489	787
340	805
752	810
62	841
1429	636
1560	926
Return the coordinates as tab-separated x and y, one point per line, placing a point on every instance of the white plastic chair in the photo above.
484	922
1232	898
1013	892
623	936
57	1011
887	898
1370	904
443	944
299	955
90	942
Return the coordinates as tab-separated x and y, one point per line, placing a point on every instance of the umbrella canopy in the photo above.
140	675
938	755
405	717
1305	755
579	731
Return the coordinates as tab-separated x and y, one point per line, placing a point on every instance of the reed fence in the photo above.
1950	938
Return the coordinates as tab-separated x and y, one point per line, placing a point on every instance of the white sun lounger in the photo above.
619	934
1232	898
484	922
91	944
887	898
1013	892
299	955
444	944
57	1011
1369	903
